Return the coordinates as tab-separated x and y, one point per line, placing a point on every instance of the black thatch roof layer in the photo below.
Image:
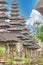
3	2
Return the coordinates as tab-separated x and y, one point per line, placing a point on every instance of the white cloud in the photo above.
30	21
34	16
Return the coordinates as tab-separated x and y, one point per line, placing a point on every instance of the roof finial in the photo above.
14	0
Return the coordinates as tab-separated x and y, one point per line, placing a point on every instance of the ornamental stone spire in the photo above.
39	6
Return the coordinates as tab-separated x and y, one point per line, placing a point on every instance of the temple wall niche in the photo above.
20	50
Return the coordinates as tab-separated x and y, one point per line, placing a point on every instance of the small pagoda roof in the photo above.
3	2
24	39
25	29
2	15
15	14
25	32
22	17
34	46
4	24
15	6
27	44
28	36
27	40
2	30
10	36
17	34
5	36
3	9
14	10
30	40
16	23
14	18
14	2
15	29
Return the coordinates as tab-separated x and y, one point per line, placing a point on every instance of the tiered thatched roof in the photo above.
17	24
16	30
3	16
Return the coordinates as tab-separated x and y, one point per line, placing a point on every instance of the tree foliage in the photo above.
40	35
10	60
2	50
41	60
36	26
26	60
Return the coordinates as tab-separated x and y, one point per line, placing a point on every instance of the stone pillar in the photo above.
7	51
14	51
35	53
27	53
31	53
19	50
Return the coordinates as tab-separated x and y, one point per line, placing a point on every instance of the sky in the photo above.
25	6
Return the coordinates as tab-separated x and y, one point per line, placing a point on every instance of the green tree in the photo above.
10	60
36	26
40	36
26	60
39	32
2	50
